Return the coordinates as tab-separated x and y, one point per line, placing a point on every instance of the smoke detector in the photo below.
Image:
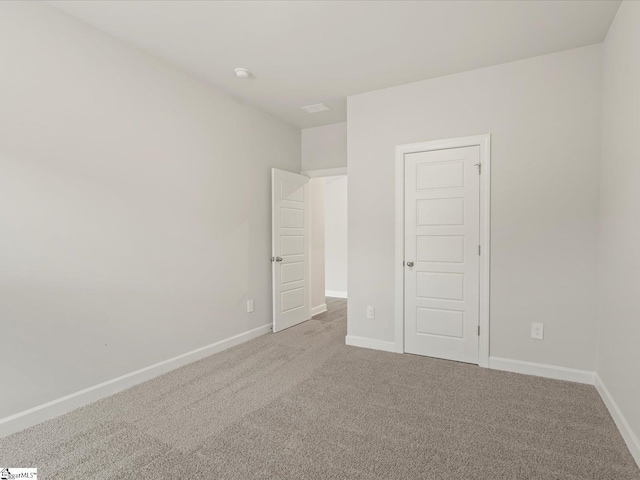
242	72
315	108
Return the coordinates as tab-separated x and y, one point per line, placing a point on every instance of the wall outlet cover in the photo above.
250	306
371	312
537	331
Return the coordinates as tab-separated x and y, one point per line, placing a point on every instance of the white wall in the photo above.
324	147
336	234
135	206
317	257
619	275
544	117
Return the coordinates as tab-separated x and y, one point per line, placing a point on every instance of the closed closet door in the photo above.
442	267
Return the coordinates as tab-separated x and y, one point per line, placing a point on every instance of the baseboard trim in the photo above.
318	310
335	294
542	370
47	411
630	438
371	343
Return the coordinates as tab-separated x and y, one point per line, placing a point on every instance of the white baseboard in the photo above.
371	343
335	294
630	438
33	416
580	376
318	310
542	370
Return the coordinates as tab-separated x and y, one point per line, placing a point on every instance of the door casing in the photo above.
484	142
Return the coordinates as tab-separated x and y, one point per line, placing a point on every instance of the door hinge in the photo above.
479	165
478	330
479	249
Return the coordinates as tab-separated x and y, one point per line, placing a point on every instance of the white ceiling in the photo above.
306	52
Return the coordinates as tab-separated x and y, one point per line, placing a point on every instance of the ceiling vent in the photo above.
318	107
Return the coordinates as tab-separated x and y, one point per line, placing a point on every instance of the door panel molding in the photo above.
484	142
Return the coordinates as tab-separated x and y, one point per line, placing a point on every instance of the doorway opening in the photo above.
328	250
309	246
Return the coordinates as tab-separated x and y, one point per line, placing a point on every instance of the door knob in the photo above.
278	259
409	264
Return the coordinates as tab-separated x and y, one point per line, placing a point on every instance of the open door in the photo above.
290	249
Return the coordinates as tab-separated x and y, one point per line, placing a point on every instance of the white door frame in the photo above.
325	172
484	142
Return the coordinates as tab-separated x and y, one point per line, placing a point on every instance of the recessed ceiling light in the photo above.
242	72
315	108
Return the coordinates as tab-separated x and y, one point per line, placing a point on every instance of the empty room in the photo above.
320	239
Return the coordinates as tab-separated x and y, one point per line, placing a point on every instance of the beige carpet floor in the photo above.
301	405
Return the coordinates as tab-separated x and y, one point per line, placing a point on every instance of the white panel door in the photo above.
442	267
290	249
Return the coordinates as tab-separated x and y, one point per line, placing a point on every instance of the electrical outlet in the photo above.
249	306
371	312
537	331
